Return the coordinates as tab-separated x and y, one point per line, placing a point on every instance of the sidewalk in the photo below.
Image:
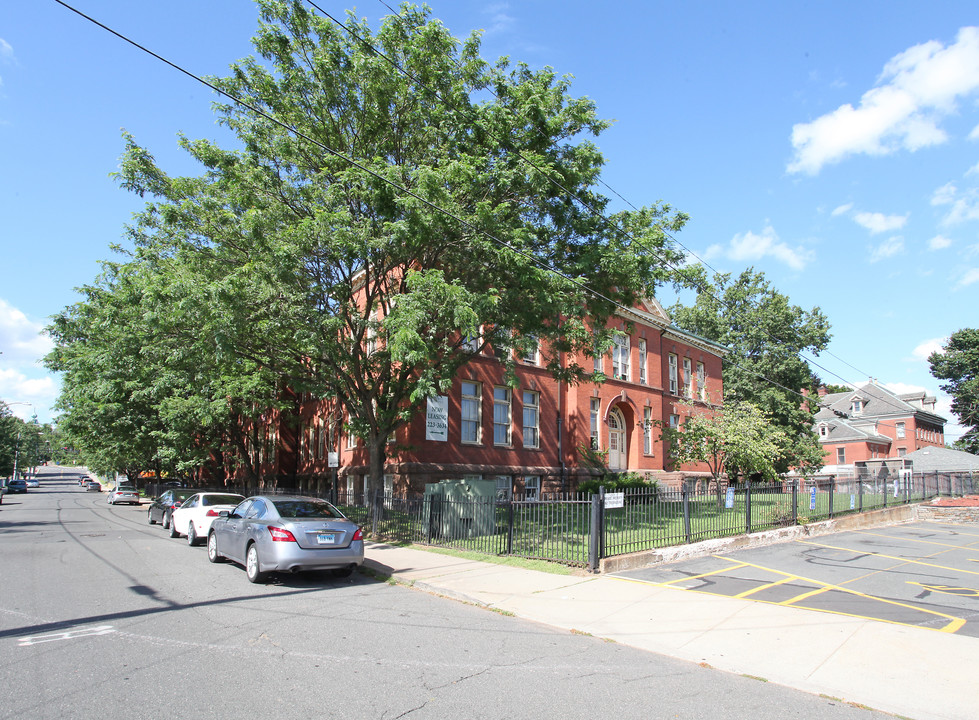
913	672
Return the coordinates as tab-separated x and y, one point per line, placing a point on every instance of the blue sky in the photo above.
833	146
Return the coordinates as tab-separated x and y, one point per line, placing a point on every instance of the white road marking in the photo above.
69	635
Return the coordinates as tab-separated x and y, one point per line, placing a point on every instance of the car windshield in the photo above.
221	499
306	509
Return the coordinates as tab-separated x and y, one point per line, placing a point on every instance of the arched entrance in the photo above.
618	458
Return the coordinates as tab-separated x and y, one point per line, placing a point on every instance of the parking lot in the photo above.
923	574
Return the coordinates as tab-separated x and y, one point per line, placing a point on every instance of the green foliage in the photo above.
350	257
617	482
765	335
958	363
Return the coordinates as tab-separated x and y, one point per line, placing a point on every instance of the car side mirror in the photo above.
224	514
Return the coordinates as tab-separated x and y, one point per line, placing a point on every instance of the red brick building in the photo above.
528	438
872	423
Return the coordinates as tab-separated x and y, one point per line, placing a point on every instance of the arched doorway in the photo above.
617	456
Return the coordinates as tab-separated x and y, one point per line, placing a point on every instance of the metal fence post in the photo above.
686	512
795	501
747	506
510	522
832	494
594	543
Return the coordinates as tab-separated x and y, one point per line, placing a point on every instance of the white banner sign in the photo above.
437	419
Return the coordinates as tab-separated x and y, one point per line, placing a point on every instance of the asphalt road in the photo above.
922	574
104	616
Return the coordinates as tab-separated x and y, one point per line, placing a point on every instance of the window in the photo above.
840	456
674	421
504	487
701	381
642	361
901	452
598	361
501	416
596	406
322	441
351	439
470	343
471	413
673	374
687	377
857	406
531	419
823	430
531	487
647	431
502	343
370	336
620	356
532	354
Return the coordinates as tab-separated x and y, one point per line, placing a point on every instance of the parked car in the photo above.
162	507
286	534
124	494
33	483
194	516
3	490
93	486
17	486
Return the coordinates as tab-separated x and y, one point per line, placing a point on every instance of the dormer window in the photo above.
856	407
823	430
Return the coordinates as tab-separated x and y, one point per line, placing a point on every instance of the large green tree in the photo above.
765	334
958	363
390	195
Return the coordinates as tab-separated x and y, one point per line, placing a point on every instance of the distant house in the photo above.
943	460
873	423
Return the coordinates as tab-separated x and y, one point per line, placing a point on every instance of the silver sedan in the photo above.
286	534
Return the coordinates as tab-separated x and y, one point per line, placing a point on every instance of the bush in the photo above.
617	482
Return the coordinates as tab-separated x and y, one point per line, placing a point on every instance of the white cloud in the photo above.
969	277
752	246
21	341
974	135
923	350
974	170
842	210
28	395
963	206
915	91
878	222
889	248
939	242
6	52
499	19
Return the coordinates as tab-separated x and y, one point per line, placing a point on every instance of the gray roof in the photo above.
943	459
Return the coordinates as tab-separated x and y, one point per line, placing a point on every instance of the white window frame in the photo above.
597	366
532	356
647	431
475	401
674	371
642	361
531	418
701	381
471	343
531	487
504	487
900	431
621	369
502	416
841	455
595	409
687	377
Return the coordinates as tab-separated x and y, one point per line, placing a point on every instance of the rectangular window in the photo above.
901	452
647	431
642	361
532	355
596	406
501	416
598	362
620	356
900	431
470	343
701	381
673	374
471	406
674	421
531	487
531	419
840	456
687	377
504	487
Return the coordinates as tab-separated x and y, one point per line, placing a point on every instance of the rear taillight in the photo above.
359	535
280	535
212	513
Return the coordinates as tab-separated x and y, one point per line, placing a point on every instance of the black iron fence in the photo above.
581	529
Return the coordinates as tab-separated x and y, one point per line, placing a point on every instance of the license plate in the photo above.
326	538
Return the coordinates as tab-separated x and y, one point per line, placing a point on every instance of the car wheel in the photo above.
212	549
149	517
251	565
191	534
173	528
166	521
343	572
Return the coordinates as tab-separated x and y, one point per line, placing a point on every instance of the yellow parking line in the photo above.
953	624
746	593
735	566
888	557
923	542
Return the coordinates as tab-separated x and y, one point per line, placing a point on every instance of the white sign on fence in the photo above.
614	500
729	498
